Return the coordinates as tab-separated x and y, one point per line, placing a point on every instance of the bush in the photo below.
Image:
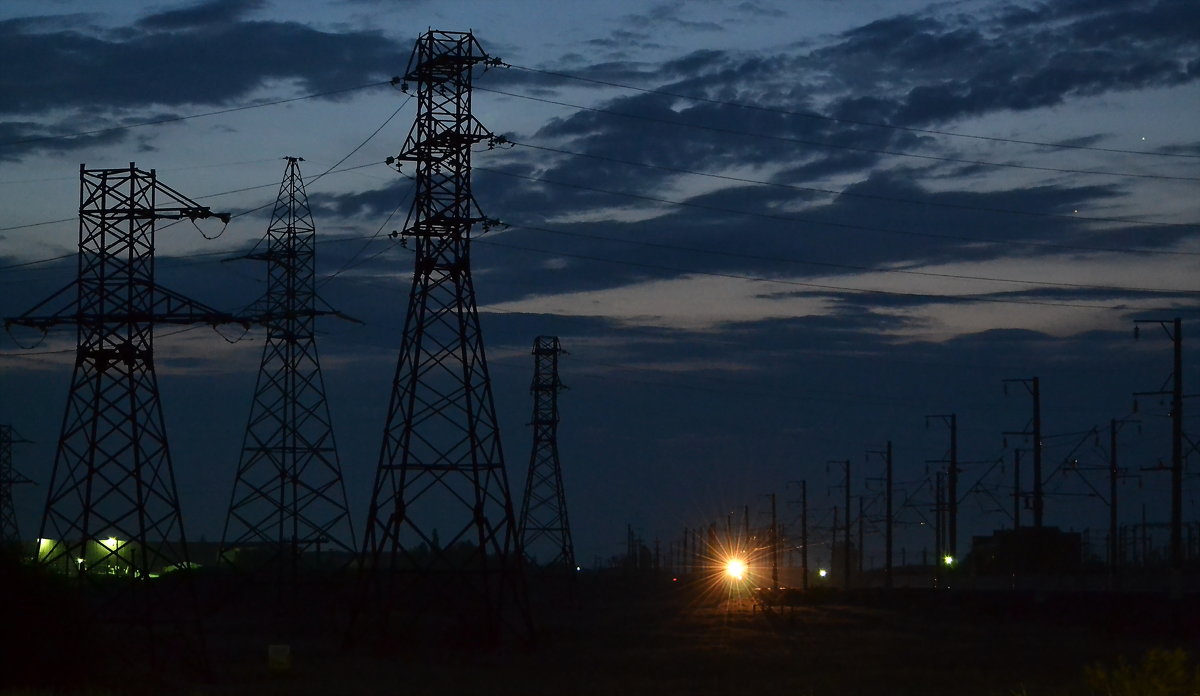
1160	673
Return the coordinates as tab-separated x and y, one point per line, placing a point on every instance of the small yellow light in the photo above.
822	572
948	560
735	568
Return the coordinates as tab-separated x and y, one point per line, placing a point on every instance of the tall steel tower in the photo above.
544	522
10	535
288	502
112	508
441	520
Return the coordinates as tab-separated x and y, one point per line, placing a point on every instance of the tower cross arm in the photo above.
171	307
185	207
65	313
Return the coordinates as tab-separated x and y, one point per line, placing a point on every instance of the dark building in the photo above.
1027	550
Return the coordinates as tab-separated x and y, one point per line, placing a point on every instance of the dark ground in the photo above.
638	636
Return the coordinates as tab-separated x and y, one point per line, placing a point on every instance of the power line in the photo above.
835	192
175	119
865	228
189	259
851	148
205	196
343	159
782	281
854	122
870	269
37	224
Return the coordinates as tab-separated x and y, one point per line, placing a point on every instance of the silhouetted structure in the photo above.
10	533
288	500
1174	330
112	516
544	521
1027	551
112	506
441	464
951	461
1034	430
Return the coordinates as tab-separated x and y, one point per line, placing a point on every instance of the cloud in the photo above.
206	64
936	69
201	14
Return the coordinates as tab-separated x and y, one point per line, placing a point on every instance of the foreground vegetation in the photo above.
633	635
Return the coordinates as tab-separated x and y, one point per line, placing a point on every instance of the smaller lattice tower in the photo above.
10	534
288	503
544	525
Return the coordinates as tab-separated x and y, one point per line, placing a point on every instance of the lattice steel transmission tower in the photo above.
544	523
441	520
10	533
112	507
288	500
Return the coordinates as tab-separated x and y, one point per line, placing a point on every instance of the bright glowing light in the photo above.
735	568
822	572
948	560
110	543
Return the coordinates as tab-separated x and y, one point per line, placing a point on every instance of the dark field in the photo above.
645	637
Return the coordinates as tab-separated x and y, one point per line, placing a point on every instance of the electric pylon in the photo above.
288	498
10	534
441	465
544	522
112	516
112	506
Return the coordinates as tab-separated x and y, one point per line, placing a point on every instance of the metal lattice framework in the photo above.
544	523
288	498
10	534
441	516
112	507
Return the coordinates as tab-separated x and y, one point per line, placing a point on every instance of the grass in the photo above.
634	637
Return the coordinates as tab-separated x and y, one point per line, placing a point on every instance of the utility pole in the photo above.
939	518
951	462
1114	473
804	531
833	545
746	526
888	519
861	533
1016	489
441	464
846	553
1033	387
1174	331
774	547
10	534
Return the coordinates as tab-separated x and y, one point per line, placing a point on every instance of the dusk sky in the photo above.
768	234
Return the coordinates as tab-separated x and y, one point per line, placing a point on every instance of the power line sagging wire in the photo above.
835	192
839	225
176	119
854	122
832	146
949	297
